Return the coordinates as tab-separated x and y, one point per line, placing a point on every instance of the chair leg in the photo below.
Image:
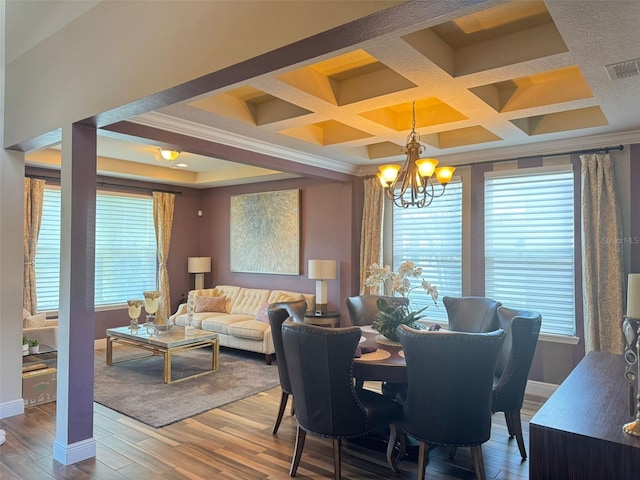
478	461
301	435
391	445
283	404
516	424
423	452
293	410
337	463
508	420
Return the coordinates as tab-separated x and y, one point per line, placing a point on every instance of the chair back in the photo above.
522	329
277	316
363	309
296	309
471	314
319	362
450	375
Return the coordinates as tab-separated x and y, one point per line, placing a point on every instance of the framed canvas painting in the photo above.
265	232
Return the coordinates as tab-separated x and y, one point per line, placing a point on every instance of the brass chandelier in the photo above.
412	185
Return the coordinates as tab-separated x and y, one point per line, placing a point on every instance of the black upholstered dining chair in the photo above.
448	400
522	329
320	361
278	313
471	314
363	309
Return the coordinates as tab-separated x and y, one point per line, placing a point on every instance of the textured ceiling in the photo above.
519	78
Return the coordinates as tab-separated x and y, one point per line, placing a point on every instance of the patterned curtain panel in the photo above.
602	257
33	197
371	241
163	204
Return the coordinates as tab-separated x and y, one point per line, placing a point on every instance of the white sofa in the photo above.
237	326
38	327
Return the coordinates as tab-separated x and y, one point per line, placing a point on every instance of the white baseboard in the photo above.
540	389
74	453
12	408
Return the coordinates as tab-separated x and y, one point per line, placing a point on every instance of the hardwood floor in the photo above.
233	442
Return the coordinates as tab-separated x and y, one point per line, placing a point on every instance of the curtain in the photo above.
163	204
602	257
371	239
33	198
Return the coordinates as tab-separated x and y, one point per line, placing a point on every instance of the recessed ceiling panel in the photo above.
507	34
377	151
251	106
460	137
429	112
329	132
562	121
347	79
547	88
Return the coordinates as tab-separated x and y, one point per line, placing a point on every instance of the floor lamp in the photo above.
199	266
321	270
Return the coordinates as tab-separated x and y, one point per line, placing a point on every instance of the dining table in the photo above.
385	363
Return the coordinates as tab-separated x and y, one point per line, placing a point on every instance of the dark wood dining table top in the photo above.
386	363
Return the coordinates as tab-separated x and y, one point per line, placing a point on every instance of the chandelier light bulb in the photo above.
169	155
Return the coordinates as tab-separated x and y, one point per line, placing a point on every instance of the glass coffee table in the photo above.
165	344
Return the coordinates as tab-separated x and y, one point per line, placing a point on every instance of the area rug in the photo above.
135	388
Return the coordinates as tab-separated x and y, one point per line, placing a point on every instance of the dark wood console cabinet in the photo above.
577	434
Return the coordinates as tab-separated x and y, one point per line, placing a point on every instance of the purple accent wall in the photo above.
476	229
634	173
326	232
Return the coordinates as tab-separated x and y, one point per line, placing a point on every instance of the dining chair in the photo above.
522	329
278	313
363	309
448	400
320	361
471	314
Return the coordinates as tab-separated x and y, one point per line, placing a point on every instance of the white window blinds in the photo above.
125	249
529	244
431	237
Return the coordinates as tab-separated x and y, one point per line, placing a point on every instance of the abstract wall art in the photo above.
265	232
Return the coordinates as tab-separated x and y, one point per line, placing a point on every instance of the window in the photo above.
529	244
431	237
125	249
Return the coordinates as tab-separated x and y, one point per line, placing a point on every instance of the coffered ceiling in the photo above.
511	79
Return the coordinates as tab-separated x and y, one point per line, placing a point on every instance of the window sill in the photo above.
565	339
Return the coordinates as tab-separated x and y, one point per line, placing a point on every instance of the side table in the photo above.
326	319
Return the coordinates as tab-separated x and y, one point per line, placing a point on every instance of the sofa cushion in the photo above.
210	304
220	322
249	301
33	321
279	296
250	329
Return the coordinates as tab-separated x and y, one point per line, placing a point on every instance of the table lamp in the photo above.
321	270
631	331
199	266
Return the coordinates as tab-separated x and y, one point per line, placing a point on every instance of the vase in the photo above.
34	349
384	340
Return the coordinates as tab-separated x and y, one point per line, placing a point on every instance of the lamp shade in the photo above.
199	264
633	296
322	269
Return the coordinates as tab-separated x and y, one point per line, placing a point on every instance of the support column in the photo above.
74	416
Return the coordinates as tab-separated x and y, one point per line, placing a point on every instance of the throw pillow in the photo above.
210	304
263	314
35	321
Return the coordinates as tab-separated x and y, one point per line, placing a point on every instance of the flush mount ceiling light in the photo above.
169	155
412	184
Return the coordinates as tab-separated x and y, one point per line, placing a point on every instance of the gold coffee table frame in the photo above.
165	344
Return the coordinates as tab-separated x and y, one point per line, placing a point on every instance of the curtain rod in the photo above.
573	152
107	184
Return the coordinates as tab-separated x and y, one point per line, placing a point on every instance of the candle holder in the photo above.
151	303
631	331
135	308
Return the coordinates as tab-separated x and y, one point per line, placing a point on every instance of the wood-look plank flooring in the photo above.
232	442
